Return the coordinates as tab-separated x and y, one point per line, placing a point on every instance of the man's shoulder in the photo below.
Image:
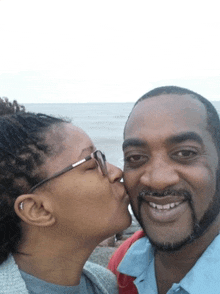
121	251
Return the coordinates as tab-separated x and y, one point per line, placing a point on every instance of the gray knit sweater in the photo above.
11	281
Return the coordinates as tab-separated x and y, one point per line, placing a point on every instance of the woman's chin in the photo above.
122	222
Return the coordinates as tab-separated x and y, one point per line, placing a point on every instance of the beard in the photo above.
198	227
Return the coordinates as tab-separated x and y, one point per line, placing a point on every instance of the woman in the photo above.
58	200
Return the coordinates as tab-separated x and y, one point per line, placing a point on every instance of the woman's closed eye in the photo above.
92	165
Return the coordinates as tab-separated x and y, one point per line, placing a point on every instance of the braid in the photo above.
23	149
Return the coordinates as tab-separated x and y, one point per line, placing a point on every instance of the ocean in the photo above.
103	122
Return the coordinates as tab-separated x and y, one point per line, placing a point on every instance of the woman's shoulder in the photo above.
101	277
97	269
10	278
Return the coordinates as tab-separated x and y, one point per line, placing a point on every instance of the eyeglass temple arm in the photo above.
61	172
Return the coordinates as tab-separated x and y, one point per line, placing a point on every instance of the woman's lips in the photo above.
126	198
122	193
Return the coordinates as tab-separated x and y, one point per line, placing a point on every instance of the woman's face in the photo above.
85	203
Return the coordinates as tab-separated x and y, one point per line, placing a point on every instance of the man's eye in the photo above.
135	160
185	154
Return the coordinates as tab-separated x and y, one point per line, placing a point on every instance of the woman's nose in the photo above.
114	173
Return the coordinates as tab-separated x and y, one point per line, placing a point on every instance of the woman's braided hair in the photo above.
23	149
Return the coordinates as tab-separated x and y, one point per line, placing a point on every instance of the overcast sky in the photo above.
102	51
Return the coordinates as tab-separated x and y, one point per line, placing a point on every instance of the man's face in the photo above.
170	169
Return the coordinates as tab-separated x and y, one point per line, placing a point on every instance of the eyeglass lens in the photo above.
100	157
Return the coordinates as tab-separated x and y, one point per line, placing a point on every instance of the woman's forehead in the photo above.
66	136
76	139
74	144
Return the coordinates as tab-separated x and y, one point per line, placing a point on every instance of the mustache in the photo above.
186	195
169	192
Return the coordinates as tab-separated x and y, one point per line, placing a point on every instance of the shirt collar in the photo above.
203	278
137	259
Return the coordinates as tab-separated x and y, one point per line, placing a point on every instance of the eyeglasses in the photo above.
97	155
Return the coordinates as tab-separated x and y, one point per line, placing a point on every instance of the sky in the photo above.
71	51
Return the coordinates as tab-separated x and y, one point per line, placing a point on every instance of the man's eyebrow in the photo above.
133	142
182	137
175	139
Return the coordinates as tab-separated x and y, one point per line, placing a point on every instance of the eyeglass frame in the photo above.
101	163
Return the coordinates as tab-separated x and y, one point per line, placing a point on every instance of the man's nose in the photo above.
160	175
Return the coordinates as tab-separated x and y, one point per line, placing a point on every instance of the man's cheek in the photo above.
134	202
131	179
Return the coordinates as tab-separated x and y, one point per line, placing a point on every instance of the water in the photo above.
103	122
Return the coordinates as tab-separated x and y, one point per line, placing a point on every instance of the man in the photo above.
171	172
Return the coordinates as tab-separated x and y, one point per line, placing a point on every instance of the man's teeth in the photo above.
167	206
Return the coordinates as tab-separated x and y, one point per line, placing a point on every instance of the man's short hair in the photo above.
213	121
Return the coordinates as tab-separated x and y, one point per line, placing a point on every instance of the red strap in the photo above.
126	285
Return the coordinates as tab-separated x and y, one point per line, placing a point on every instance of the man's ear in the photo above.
34	210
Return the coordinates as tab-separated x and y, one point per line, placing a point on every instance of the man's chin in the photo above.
170	246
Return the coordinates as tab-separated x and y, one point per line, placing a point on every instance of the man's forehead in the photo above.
173	103
172	108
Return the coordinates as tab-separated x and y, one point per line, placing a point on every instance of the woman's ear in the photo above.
34	210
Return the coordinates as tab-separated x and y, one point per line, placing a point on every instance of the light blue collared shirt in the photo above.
203	278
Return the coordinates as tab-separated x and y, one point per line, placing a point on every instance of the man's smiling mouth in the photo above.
164	207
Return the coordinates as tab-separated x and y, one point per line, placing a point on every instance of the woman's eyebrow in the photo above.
87	150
